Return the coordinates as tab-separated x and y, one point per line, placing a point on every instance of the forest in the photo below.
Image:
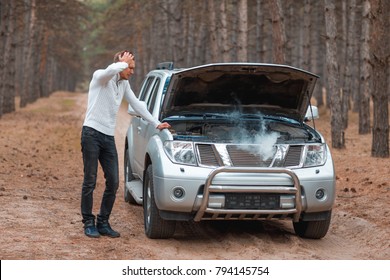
51	45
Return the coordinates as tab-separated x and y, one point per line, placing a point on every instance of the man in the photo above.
106	91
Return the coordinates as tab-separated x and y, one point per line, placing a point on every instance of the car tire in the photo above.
128	175
155	226
312	229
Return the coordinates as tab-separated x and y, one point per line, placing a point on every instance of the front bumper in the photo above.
205	191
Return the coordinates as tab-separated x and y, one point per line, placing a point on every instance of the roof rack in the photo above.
165	65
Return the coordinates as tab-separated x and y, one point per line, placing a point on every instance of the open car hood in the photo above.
246	88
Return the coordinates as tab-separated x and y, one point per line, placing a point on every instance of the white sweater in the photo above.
105	95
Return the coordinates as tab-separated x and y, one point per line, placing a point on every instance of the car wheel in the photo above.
155	226
312	229
128	177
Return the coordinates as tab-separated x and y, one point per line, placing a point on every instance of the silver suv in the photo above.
239	149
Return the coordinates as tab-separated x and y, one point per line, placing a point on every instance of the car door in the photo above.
137	155
144	129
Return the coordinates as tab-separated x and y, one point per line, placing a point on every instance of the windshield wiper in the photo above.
201	115
281	118
251	116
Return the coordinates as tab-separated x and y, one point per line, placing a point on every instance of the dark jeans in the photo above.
98	147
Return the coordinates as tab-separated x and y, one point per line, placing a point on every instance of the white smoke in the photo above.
260	143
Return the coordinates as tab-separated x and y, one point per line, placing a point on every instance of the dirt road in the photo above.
40	184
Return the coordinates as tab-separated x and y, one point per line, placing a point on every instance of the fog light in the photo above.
320	194
178	192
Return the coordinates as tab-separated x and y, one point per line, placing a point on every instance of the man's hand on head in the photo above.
127	57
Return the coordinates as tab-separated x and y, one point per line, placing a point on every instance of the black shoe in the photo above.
90	230
106	230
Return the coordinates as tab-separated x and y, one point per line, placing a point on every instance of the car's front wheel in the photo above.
312	229
155	226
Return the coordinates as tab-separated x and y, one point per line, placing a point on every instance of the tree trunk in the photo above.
265	31
342	20
35	78
225	44
167	26
357	64
349	62
200	34
259	31
380	53
365	92
337	131
306	35
26	94
278	32
187	40
242	40
291	17
213	31
7	86
192	30
316	50
4	10
176	8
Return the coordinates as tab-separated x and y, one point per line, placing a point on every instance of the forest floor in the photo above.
41	173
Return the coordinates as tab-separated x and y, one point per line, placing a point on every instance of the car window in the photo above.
145	90
152	98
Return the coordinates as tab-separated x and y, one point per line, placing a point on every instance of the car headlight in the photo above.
180	152
315	155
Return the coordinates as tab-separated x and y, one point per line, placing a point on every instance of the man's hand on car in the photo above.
161	126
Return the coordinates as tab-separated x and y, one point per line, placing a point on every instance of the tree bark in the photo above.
200	35
242	40
30	23
337	131
365	78
225	44
176	11
213	31
278	32
7	85
380	53
351	31
306	35
316	58
4	13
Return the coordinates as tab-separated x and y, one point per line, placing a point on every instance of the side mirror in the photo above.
132	112
311	113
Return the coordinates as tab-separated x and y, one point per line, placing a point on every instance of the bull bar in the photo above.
210	188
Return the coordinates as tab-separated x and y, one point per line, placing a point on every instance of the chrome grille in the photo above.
293	157
243	158
209	156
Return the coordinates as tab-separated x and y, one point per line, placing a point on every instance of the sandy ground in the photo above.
40	185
